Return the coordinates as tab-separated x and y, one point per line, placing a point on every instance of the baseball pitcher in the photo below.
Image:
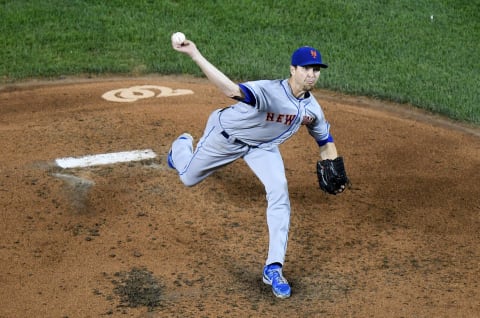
265	114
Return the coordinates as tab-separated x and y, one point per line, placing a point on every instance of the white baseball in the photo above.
178	38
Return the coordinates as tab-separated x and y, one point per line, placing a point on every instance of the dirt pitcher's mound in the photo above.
126	238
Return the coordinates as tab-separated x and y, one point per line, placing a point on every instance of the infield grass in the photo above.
421	52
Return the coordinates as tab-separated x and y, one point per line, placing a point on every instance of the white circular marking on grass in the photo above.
134	93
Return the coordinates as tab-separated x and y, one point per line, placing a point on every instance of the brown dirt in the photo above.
403	242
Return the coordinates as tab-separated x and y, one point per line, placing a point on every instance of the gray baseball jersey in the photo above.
275	116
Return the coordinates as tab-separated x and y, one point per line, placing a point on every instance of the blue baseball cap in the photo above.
307	55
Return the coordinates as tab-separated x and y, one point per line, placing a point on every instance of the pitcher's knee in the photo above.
278	189
280	185
188	181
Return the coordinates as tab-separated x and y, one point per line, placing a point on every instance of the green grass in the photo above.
386	49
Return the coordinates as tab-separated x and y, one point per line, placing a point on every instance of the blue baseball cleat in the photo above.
272	275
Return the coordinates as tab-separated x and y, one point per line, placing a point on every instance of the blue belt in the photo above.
237	141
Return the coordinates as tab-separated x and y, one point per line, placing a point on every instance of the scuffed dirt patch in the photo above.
137	288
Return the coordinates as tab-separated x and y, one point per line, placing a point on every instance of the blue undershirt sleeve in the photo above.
325	141
249	97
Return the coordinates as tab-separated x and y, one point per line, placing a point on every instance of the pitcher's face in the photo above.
305	77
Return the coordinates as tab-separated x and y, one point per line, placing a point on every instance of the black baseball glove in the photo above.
331	174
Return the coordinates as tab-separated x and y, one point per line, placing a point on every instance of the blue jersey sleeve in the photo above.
249	97
325	141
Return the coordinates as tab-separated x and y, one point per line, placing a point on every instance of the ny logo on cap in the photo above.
313	53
